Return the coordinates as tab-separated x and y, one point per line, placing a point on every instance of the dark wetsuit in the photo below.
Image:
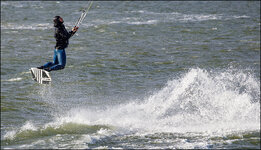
62	41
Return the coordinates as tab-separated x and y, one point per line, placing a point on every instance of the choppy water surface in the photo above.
138	75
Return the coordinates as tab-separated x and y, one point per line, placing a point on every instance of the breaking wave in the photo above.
198	101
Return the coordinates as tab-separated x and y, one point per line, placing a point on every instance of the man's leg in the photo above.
61	56
50	64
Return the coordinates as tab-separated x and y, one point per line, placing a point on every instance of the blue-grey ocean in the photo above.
139	74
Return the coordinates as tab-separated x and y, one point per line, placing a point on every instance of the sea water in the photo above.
138	75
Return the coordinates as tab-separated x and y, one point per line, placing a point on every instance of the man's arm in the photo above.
74	29
66	35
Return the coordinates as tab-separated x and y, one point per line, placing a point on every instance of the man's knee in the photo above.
62	66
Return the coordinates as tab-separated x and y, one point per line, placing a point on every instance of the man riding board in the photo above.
62	41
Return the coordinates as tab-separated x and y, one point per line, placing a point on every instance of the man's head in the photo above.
57	20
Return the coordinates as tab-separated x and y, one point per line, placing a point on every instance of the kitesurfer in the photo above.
62	40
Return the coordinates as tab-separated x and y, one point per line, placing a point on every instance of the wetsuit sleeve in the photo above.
65	34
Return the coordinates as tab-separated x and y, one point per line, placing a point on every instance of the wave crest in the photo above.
199	101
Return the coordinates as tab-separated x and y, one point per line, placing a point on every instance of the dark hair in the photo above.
56	21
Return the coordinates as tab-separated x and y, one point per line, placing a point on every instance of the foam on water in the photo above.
35	26
145	20
14	79
26	127
199	101
166	17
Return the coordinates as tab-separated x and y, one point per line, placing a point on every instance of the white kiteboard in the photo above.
41	76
